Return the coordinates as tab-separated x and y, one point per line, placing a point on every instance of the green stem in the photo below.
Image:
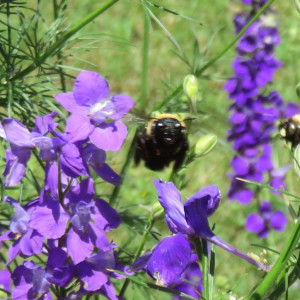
145	61
138	253
202	253
64	37
280	264
59	56
218	56
116	190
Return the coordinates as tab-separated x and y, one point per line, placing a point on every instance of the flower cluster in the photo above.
254	111
66	224
173	259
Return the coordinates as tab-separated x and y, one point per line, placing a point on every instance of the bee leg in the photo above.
141	151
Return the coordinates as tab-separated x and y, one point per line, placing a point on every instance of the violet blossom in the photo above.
95	116
262	223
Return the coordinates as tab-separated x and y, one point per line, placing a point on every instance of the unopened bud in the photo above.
157	210
205	144
297	160
190	86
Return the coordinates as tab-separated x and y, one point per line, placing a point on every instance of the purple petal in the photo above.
79	246
90	88
278	220
240	166
31	243
17	133
5	279
196	217
108	290
71	161
170	199
107	173
45	124
78	128
16	161
123	105
68	102
255	223
98	237
20	292
169	259
49	219
56	258
208	198
93	280
84	191
109	136
265	208
51	178
13	251
107	218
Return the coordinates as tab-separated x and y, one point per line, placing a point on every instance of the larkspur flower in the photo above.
94	115
262	223
90	219
27	241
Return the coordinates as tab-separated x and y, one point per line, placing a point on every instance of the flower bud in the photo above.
190	86
157	210
297	160
205	144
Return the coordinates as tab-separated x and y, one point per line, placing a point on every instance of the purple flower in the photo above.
262	223
27	241
94	116
191	218
31	281
89	220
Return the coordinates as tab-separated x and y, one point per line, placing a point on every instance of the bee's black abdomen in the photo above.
161	143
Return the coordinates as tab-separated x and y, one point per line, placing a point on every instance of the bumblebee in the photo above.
163	140
289	130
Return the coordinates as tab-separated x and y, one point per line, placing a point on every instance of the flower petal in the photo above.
122	104
90	88
68	102
255	223
79	246
169	259
92	279
16	133
109	136
278	220
170	199
78	128
49	219
16	161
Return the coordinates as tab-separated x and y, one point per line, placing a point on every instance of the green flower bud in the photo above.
205	144
190	86
298	86
297	160
157	210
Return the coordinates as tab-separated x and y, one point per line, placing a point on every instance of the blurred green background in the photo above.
113	47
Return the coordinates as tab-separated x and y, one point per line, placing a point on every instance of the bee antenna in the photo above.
189	119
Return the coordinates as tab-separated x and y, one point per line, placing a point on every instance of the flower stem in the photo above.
218	56
64	37
138	252
201	249
280	264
